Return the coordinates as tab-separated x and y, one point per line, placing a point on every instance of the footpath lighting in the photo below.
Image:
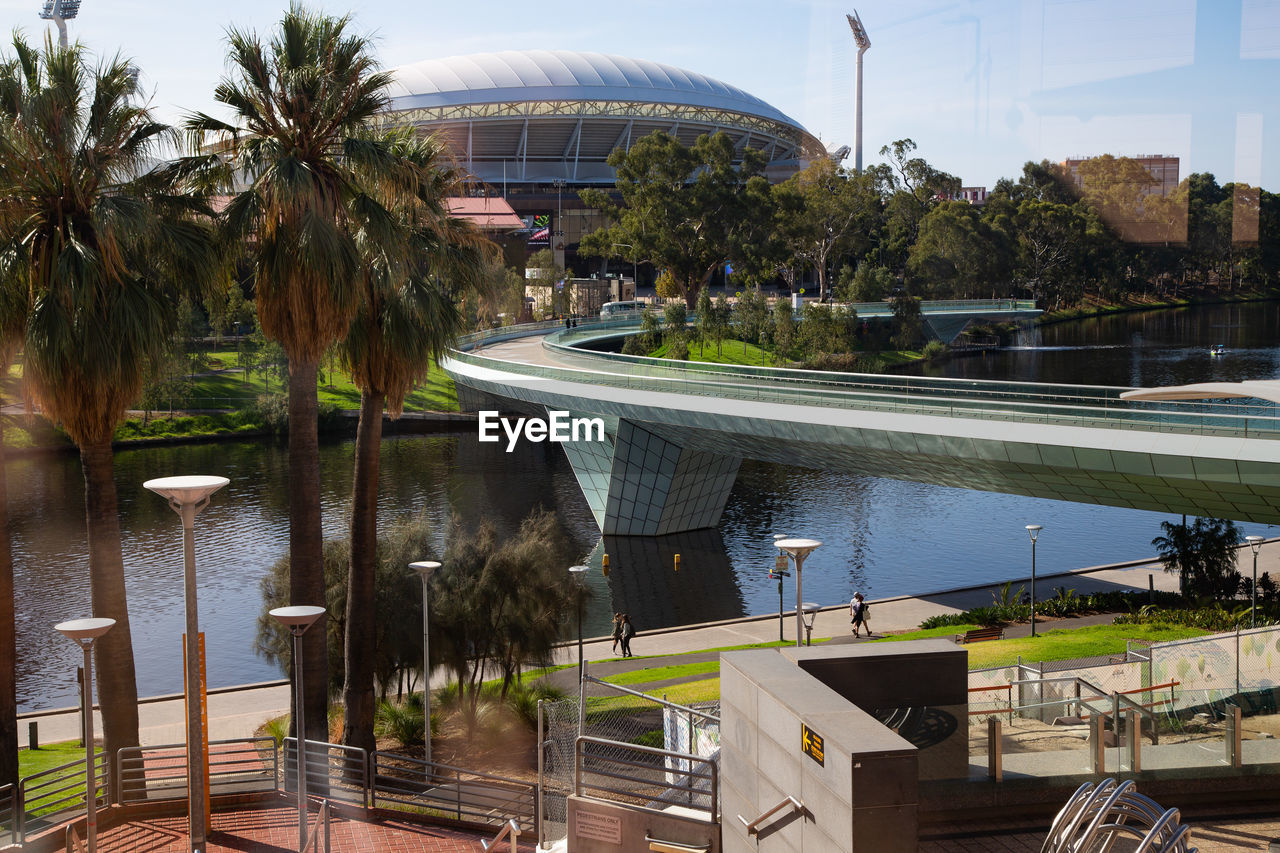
1255	543
298	619
187	496
798	549
83	632
579	575
425	568
810	613
1033	530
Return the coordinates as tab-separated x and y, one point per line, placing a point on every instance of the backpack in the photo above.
628	631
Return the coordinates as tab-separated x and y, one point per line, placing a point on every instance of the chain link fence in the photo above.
613	713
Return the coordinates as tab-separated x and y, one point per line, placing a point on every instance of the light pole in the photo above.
1255	543
798	549
83	632
810	613
780	569
579	575
860	38
1033	530
298	619
60	11
424	568
557	248
635	278
187	496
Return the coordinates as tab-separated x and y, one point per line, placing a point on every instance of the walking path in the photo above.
238	712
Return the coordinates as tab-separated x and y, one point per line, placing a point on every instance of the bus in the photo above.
619	310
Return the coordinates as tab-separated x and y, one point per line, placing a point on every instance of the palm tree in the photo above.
13	319
408	314
301	161
106	242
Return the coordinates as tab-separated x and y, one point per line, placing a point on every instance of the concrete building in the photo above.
1162	168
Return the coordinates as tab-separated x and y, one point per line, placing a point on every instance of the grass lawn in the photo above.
49	755
231	390
1060	644
729	352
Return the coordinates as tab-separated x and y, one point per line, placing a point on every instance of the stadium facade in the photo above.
536	126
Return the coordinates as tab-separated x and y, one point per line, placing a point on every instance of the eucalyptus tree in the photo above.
301	167
408	315
107	240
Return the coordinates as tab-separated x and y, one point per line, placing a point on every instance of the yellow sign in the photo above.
811	744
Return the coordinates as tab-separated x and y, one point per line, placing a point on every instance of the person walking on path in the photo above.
617	631
858	614
627	632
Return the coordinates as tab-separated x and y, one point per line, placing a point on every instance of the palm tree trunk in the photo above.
117	682
306	562
8	640
358	648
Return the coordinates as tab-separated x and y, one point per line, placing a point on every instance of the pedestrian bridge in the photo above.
675	432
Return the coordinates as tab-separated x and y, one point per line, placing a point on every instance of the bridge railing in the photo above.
1065	405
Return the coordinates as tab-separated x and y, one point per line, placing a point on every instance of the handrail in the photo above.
753	826
658	845
510	831
321	819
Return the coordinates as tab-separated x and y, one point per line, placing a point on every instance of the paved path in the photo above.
238	713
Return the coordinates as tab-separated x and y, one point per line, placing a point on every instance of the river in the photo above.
883	537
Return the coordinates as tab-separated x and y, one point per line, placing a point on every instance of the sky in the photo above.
981	86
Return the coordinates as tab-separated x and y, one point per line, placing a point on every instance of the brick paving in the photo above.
275	830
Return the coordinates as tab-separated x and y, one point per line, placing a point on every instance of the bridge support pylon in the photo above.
638	483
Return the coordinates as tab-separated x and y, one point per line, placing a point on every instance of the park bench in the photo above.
977	635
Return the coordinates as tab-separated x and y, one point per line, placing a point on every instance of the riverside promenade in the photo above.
238	711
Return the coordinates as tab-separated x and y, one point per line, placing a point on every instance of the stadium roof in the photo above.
558	75
539	116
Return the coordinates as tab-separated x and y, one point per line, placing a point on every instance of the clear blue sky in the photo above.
980	85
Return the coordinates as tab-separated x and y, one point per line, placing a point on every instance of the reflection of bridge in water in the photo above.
677	431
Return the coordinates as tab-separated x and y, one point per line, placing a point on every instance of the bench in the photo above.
977	635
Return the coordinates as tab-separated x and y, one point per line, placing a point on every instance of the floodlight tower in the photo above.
60	11
860	37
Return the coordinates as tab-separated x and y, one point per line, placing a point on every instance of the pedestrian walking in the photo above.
628	631
858	614
617	631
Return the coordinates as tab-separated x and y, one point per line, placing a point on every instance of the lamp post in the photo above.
424	568
83	632
558	231
298	619
1255	543
780	569
579	575
798	549
635	278
187	496
1033	530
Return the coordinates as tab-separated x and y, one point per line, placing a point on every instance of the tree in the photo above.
107	242
838	214
14	307
908	325
911	188
783	330
1203	554
956	254
866	284
681	207
499	603
408	316
305	172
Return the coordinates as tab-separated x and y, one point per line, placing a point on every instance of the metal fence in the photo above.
9	807
625	717
44	798
644	776
412	784
243	765
334	771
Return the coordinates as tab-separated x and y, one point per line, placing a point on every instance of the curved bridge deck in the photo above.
1068	442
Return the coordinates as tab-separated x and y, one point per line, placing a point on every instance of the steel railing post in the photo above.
995	762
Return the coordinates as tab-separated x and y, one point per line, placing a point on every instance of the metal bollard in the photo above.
995	756
1234	757
33	735
1134	733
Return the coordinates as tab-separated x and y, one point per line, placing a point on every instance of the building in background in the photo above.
1162	169
536	126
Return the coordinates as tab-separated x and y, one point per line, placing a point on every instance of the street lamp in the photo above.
579	575
1255	543
424	568
298	619
83	632
187	496
1033	530
798	549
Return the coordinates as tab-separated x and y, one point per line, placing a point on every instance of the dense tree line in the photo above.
1048	235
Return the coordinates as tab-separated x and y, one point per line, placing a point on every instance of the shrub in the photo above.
404	722
934	349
